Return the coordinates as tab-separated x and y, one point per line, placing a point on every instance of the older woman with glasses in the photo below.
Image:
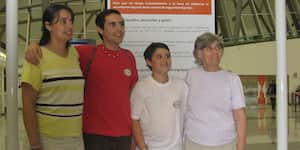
215	116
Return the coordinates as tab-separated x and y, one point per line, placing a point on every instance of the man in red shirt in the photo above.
111	77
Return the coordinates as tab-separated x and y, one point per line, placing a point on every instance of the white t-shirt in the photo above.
159	107
212	98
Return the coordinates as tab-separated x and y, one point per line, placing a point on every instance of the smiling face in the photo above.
113	30
160	61
211	56
61	28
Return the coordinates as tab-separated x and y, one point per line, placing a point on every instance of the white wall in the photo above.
260	59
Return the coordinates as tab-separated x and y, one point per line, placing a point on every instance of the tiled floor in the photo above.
261	129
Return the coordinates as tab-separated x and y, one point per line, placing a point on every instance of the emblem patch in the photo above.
127	72
177	104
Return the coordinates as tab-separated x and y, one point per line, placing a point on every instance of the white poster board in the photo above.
176	23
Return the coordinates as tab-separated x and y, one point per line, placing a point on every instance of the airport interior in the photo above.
247	28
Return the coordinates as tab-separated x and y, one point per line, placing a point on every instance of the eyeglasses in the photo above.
216	47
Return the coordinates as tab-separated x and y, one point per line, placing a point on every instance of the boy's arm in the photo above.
138	135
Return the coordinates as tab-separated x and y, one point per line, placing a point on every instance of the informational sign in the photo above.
176	23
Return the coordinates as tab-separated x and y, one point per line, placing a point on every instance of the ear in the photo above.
48	26
99	30
149	63
198	54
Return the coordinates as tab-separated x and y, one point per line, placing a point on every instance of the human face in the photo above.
113	30
61	28
160	61
211	56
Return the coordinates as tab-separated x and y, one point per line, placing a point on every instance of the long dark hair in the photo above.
50	13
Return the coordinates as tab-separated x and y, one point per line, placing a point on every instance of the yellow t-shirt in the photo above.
59	82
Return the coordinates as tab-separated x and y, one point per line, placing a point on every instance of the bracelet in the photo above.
35	147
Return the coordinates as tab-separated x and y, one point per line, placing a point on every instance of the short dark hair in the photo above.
100	19
50	13
148	53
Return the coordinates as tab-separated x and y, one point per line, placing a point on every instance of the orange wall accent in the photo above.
162	6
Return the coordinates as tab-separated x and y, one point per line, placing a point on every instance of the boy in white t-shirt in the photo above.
157	104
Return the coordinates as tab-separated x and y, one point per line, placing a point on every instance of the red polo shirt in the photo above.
111	77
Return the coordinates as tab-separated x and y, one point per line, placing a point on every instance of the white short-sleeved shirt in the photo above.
211	100
159	107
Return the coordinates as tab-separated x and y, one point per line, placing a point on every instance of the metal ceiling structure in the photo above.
238	21
248	21
30	13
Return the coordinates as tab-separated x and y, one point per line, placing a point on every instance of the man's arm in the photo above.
33	54
29	96
240	118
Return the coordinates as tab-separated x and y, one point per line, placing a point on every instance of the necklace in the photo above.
112	54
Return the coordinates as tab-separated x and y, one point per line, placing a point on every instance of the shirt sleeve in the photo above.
187	78
134	78
237	94
137	102
184	97
31	74
84	53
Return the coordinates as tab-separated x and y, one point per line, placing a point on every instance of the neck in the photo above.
211	68
58	48
161	78
111	46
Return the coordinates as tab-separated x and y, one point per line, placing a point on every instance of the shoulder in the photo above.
194	74
230	74
178	80
194	70
74	53
44	49
127	51
47	54
72	49
232	78
143	81
84	48
179	83
142	84
129	55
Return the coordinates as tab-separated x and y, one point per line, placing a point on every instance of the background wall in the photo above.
250	59
260	59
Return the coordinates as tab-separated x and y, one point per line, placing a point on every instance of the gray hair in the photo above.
204	41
